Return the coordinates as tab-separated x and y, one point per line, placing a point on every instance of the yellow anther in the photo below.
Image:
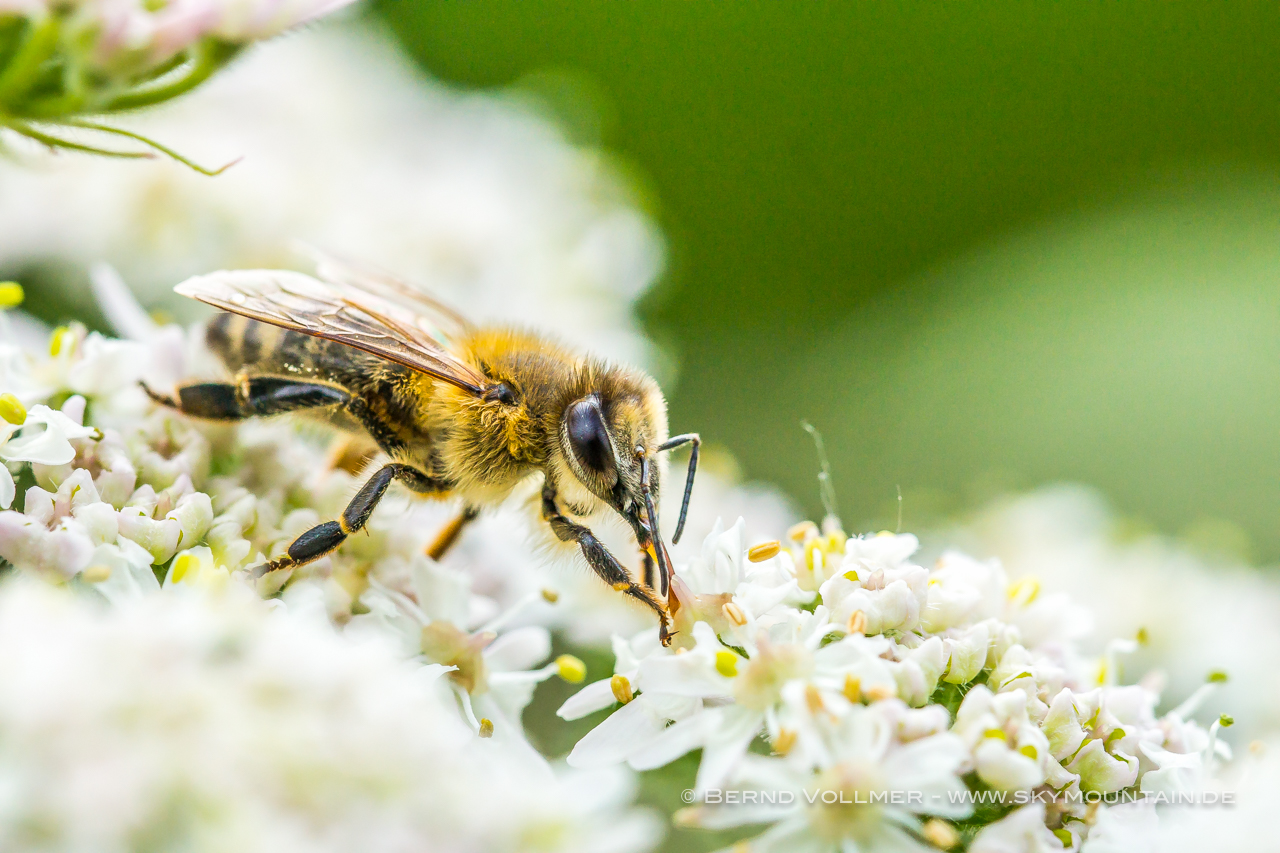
96	574
62	340
1226	720
185	564
550	596
1030	751
996	734
857	623
940	834
1023	591
852	688
813	555
835	541
1143	637
876	692
734	613
12	410
486	727
1217	677
764	551
812	698
851	575
726	663
571	669
784	741
883	533
802	531
10	294
621	689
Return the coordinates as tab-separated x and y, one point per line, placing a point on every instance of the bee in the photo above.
459	410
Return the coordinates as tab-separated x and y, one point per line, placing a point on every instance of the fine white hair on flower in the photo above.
207	722
346	147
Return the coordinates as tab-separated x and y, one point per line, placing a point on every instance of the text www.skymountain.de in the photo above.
985	797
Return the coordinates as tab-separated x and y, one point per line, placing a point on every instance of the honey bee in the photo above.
461	411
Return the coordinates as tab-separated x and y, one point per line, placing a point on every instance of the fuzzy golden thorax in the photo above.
526	423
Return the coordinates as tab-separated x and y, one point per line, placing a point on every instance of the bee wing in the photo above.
345	272
341	312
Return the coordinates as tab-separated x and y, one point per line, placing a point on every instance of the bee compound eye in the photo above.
589	437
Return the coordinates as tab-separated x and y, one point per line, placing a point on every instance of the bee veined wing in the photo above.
445	322
340	312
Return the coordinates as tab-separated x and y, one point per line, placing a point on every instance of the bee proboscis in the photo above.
459	410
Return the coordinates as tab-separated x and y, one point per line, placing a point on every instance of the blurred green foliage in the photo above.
980	245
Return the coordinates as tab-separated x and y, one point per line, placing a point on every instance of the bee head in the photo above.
610	444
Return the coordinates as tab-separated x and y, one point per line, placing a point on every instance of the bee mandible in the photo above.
460	411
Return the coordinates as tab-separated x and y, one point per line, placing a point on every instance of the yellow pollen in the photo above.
62	340
184	565
812	698
857	622
852	688
802	531
734	613
622	586
621	689
1024	591
571	669
12	410
10	294
876	692
764	551
940	834
486	727
784	741
96	574
550	595
726	663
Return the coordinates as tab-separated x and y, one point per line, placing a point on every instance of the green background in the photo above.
980	245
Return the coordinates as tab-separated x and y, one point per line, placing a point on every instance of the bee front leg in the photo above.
602	562
323	538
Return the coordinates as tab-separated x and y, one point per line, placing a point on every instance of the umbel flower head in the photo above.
854	700
63	61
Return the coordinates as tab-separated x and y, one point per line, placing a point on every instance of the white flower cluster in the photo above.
856	700
206	722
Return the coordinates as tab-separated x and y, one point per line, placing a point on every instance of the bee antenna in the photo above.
646	489
671	444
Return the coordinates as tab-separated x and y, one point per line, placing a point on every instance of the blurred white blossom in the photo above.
206	722
350	149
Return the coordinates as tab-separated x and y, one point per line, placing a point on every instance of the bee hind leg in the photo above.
249	397
449	534
604	564
323	538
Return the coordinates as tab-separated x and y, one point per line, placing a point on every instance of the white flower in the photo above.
44	436
206	722
1023	830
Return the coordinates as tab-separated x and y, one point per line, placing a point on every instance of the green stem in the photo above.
163	149
55	142
24	68
207	56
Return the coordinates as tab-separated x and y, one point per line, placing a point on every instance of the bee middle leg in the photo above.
250	396
323	538
604	564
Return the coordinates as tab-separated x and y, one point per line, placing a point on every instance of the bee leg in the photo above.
449	533
670	444
602	562
323	538
249	396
